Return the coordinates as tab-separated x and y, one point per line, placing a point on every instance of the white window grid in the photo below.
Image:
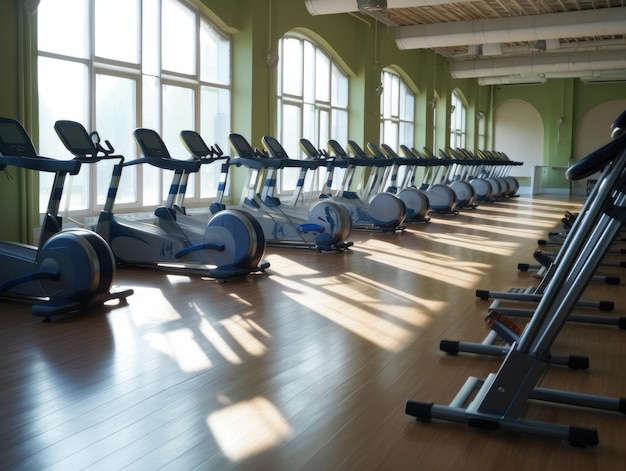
397	111
141	188
312	102
458	121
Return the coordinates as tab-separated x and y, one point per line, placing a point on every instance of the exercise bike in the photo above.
473	172
455	178
69	270
498	166
227	248
249	239
463	192
323	227
416	201
383	212
441	198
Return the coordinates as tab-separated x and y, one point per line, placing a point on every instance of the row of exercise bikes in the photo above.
73	269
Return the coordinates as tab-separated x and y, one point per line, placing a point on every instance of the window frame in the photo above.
142	73
395	92
330	116
458	121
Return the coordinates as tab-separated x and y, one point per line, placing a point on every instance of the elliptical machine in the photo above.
499	166
455	178
416	201
441	198
68	270
483	187
323	227
216	252
382	212
246	230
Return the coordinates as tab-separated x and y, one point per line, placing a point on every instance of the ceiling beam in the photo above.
576	24
588	77
585	63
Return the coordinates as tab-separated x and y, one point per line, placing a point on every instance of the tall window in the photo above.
312	99
457	122
397	111
115	65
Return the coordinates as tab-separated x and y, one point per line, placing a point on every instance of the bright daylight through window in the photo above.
115	65
312	99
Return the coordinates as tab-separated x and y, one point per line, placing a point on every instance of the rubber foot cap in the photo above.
449	346
419	410
582	437
606	305
578	362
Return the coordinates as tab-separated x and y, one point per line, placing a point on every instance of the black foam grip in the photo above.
597	160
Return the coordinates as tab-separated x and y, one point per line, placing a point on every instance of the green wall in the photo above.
359	45
586	96
12	203
9	54
563	101
362	46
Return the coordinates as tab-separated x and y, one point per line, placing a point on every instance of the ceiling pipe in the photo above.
512	80
587	77
328	7
543	78
575	24
539	64
604	79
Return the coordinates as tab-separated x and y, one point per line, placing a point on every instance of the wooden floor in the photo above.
306	367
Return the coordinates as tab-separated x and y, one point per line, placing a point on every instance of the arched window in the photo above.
457	121
115	65
312	99
397	111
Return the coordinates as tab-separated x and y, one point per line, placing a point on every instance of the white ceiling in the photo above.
506	41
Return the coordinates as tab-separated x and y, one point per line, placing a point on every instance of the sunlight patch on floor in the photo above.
400	294
181	346
186	350
409	308
240	299
292	267
140	307
476	243
345	313
177	279
441	271
533	212
531	231
245	332
219	343
247	428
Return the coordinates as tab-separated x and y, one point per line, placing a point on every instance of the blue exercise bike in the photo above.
230	245
69	270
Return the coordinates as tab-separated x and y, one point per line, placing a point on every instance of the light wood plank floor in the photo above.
306	367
